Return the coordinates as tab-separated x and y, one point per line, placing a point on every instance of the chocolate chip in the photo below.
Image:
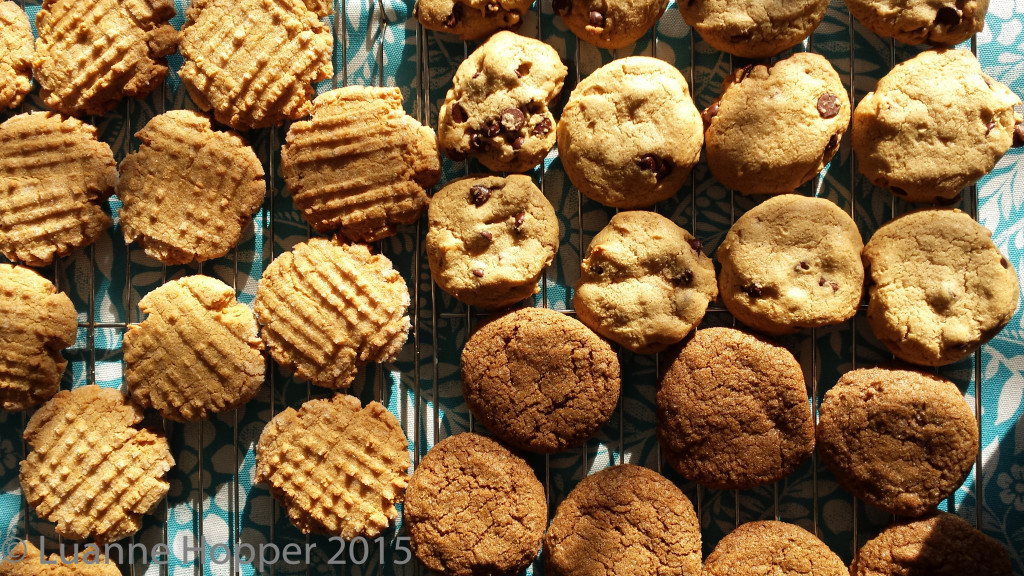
741	37
493	127
803	266
459	113
476	142
898	191
519	219
709	113
832	144
512	119
1004	263
562	7
1018	136
454	17
598	269
835	287
518	143
487	234
648	162
478	272
456	155
596	19
948	16
492	8
989	127
743	72
542	128
665	168
822	282
828	105
753	290
684	279
479	194
695	244
476	74
661	167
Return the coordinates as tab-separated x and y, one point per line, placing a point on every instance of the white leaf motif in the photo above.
1009	398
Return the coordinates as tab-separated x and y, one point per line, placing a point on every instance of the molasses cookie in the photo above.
778	548
733	411
630	133
609	24
471	19
540	380
15	55
645	283
753	28
946	22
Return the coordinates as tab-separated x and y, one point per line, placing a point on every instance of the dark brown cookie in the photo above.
473	508
624	520
733	411
900	440
940	545
776	548
540	380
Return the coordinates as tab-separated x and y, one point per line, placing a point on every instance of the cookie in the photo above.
471	19
253	62
497	109
25	559
624	520
328	308
609	25
943	22
189	191
90	468
900	440
629	134
644	283
792	262
360	164
92	53
336	467
54	178
540	380
939	544
939	288
474	508
197	353
16	45
934	125
753	28
776	126
772	547
490	238
36	323
733	412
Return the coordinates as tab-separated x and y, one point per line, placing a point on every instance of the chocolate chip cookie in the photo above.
945	22
753	28
630	134
792	262
733	411
776	126
758	548
473	508
939	544
16	45
471	19
490	238
609	25
540	380
645	283
939	288
624	520
900	440
497	109
934	125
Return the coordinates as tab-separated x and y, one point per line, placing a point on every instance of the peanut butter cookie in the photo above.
16	49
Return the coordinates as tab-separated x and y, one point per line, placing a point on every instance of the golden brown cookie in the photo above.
15	55
54	176
644	282
36	323
474	509
328	308
189	190
490	239
624	520
198	352
946	22
900	440
253	62
937	545
609	25
90	468
776	548
733	411
471	19
360	165
92	53
336	467
26	560
753	28
939	288
540	380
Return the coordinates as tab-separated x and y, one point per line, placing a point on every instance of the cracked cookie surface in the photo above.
645	283
540	380
16	50
629	134
624	520
474	509
946	22
771	547
939	288
609	25
753	28
490	238
471	19
733	412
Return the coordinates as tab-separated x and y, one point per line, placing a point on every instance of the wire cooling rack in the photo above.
215	521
